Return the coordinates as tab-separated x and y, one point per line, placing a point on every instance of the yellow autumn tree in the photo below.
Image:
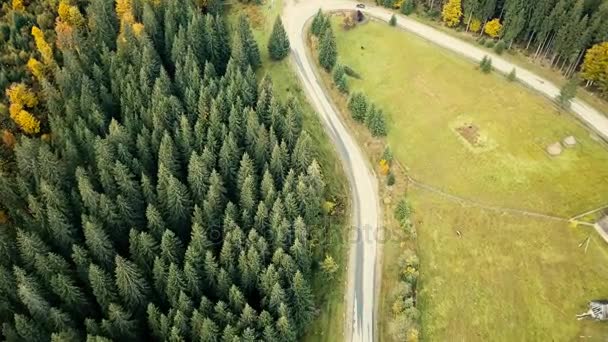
384	167
138	28
17	5
475	25
43	47
26	121
493	28
452	12
63	11
36	68
595	65
123	8
20	97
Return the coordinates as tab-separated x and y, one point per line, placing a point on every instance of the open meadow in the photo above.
479	143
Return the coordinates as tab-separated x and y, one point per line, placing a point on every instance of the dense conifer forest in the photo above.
150	188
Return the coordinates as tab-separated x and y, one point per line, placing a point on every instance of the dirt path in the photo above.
474	203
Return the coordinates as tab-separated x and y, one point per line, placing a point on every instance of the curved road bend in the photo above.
362	263
361	306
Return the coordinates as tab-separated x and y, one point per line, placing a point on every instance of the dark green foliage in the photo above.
340	80
176	200
318	24
490	43
278	44
357	104
568	92
350	72
485	65
250	45
375	122
512	76
388	155
328	51
408	7
393	20
500	47
390	179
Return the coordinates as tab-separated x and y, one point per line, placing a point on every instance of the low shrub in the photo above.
490	44
390	179
512	75
485	64
500	47
351	73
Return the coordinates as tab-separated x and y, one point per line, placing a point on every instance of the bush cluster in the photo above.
404	325
365	112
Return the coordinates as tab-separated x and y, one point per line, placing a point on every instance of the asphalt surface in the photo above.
362	280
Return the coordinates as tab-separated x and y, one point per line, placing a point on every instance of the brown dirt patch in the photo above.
255	15
470	132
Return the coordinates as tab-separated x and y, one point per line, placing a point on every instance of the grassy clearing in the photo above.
509	277
329	325
426	90
520	58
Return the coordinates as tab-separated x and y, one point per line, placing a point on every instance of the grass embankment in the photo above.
329	324
508	276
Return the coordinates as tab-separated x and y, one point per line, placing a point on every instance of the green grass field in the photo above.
520	57
510	276
328	325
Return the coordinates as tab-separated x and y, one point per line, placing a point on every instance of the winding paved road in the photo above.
362	290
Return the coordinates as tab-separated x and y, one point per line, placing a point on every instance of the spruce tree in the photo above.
130	282
250	45
357	104
568	92
278	44
339	76
393	20
408	7
302	301
318	23
328	51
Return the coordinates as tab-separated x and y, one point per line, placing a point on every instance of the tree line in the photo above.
569	35
362	110
176	198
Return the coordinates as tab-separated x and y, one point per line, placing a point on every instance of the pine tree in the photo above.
357	105
512	75
278	45
393	20
329	266
375	121
328	51
130	282
302	301
251	46
408	7
568	92
339	76
103	286
318	24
